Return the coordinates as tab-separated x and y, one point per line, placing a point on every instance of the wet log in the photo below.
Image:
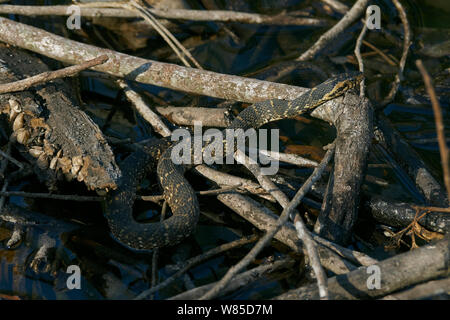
50	129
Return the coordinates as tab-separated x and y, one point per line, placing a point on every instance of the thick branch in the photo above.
398	272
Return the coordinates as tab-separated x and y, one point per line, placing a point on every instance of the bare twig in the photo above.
302	232
264	219
422	291
400	271
351	255
406	45
146	71
3	166
155	255
239	281
202	193
336	5
185	116
381	53
353	14
313	256
165	34
11	159
144	110
269	235
195	261
51	75
226	179
49	196
438	118
359	58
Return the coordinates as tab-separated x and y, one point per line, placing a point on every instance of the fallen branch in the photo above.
399	214
202	193
438	118
146	71
406	45
317	173
195	261
239	280
24	84
144	110
263	219
49	196
185	116
302	233
351	16
176	14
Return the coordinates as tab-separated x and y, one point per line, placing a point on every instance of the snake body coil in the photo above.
178	193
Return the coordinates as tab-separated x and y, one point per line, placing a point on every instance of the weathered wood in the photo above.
54	134
398	272
339	212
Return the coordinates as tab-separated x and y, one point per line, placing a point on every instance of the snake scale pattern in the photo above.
178	193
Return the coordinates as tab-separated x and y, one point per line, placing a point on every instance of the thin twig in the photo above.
50	75
97	10
202	193
317	173
438	118
302	232
49	196
165	33
381	53
3	166
11	159
406	45
353	14
144	110
313	256
195	261
336	5
239	281
147	71
156	251
359	41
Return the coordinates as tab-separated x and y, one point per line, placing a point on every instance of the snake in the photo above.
178	193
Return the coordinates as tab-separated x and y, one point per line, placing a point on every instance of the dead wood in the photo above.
398	272
400	214
339	212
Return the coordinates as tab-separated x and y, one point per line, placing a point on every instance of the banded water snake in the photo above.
178	193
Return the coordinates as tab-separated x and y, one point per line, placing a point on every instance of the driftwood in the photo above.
401	271
53	133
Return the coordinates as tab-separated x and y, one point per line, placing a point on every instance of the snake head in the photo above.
342	83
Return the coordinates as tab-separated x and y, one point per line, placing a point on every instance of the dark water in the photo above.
110	271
